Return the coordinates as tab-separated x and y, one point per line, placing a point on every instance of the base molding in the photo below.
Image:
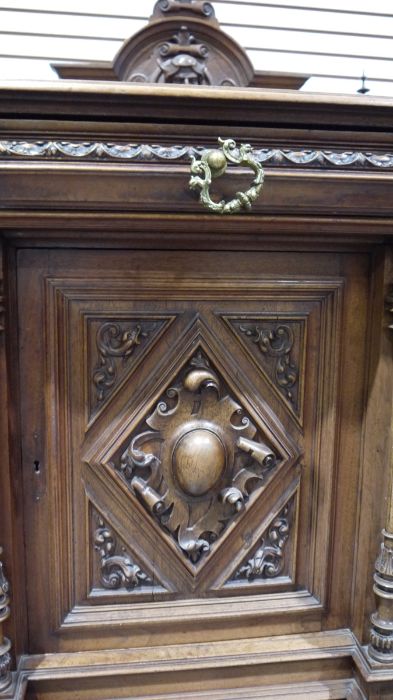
313	665
346	689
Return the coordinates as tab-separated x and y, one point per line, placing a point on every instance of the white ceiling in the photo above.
333	41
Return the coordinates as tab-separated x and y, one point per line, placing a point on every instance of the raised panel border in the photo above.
327	292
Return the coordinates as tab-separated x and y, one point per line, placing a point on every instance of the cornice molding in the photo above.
124	152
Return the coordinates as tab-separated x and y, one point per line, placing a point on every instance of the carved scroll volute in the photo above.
5	644
276	343
198	7
197	460
119	346
116	567
114	342
268	560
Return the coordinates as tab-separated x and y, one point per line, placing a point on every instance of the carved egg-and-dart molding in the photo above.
199	460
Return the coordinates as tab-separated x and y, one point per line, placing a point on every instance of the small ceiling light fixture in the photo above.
363	90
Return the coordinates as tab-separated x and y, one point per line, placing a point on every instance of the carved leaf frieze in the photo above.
272	157
196	459
268	560
117	568
277	347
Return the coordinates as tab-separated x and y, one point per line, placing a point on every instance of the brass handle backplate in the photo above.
213	163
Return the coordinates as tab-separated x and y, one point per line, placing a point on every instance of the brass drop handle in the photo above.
213	163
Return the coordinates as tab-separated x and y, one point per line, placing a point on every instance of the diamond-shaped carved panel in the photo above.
277	346
196	460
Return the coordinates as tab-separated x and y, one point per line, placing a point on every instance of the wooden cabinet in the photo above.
196	408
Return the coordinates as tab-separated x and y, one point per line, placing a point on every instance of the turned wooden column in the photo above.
5	644
381	635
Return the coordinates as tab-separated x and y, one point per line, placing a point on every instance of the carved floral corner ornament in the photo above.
212	164
114	343
5	644
196	465
117	568
277	347
268	561
119	344
277	343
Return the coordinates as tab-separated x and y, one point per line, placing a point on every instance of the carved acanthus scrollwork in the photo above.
117	569
196	465
268	560
5	644
116	343
276	343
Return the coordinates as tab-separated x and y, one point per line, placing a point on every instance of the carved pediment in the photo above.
183	44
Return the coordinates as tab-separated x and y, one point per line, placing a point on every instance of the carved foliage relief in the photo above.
117	568
269	559
197	459
116	346
277	347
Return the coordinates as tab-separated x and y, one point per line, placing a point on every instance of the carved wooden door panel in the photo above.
182	445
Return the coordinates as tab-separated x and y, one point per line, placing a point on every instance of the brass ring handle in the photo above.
213	163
